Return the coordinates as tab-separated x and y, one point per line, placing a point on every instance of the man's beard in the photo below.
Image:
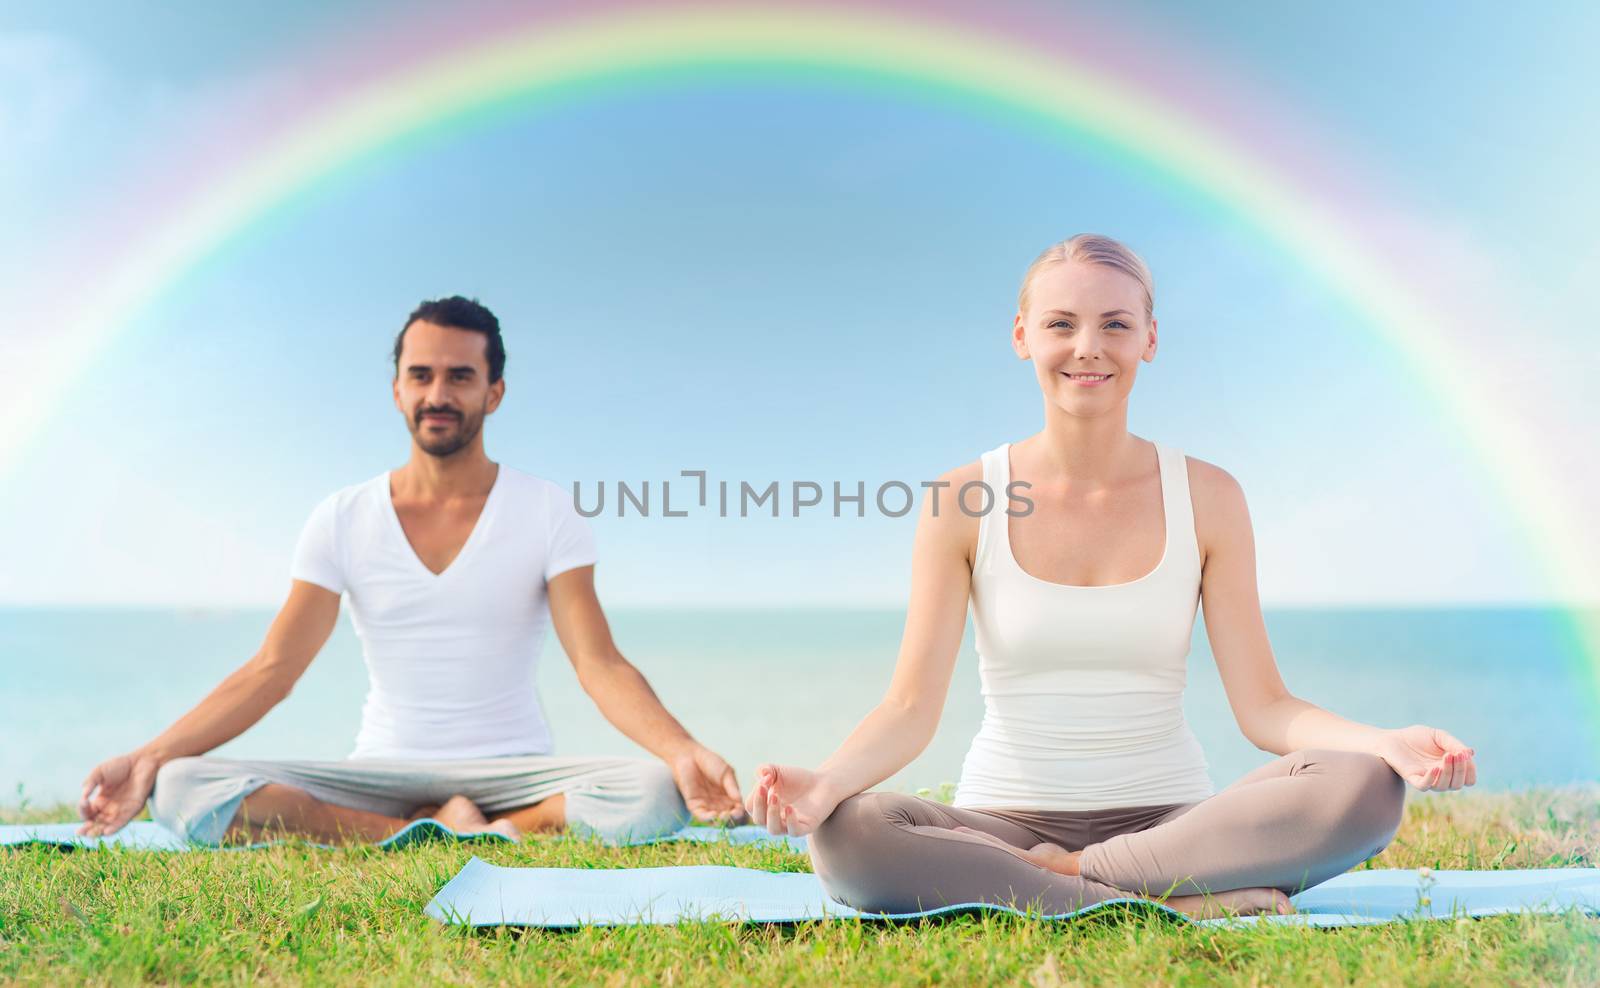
466	430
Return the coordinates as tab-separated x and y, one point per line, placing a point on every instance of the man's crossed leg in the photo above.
213	800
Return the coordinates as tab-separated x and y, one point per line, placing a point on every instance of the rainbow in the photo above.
981	63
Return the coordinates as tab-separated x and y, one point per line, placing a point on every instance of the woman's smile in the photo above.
1086	380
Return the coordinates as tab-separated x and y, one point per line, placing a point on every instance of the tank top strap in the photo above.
1179	509
1177	506
996	472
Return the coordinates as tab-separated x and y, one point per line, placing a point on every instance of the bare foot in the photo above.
461	815
1051	857
1234	902
507	828
1054	857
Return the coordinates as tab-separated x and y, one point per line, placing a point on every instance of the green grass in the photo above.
292	914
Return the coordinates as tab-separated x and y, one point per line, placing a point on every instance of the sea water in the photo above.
77	686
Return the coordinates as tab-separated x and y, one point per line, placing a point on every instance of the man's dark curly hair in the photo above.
459	313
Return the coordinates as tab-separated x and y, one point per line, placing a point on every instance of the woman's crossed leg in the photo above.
1285	826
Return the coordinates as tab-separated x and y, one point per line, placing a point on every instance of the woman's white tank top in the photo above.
1083	686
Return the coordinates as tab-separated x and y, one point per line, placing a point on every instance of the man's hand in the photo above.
115	792
707	784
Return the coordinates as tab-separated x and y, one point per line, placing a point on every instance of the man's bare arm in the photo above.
116	789
705	779
302	626
617	688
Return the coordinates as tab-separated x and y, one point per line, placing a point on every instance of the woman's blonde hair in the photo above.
1092	248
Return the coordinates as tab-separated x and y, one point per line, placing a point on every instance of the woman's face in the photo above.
1084	319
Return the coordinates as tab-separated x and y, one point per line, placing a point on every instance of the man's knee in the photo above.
661	806
643	802
175	802
174	780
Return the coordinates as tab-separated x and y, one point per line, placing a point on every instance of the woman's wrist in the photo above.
835	789
1381	742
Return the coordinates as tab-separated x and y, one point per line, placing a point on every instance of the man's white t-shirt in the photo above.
450	657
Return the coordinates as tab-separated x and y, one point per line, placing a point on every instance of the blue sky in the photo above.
786	280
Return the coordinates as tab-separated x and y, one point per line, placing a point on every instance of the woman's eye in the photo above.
1058	322
1115	323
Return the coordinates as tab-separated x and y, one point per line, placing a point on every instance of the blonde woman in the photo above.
1084	573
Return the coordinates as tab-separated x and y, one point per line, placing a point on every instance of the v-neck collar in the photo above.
386	490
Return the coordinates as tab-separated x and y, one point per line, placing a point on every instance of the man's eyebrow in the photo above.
459	367
1103	315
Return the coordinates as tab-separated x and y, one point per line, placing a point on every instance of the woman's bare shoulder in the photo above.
942	501
966	473
1218	503
1207	475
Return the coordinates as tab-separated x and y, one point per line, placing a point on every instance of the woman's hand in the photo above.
788	800
1428	758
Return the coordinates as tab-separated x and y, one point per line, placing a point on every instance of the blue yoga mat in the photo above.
145	835
486	895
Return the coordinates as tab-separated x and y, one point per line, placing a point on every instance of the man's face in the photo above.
443	388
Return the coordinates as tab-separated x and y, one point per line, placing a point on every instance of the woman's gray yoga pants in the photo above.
1293	823
615	799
